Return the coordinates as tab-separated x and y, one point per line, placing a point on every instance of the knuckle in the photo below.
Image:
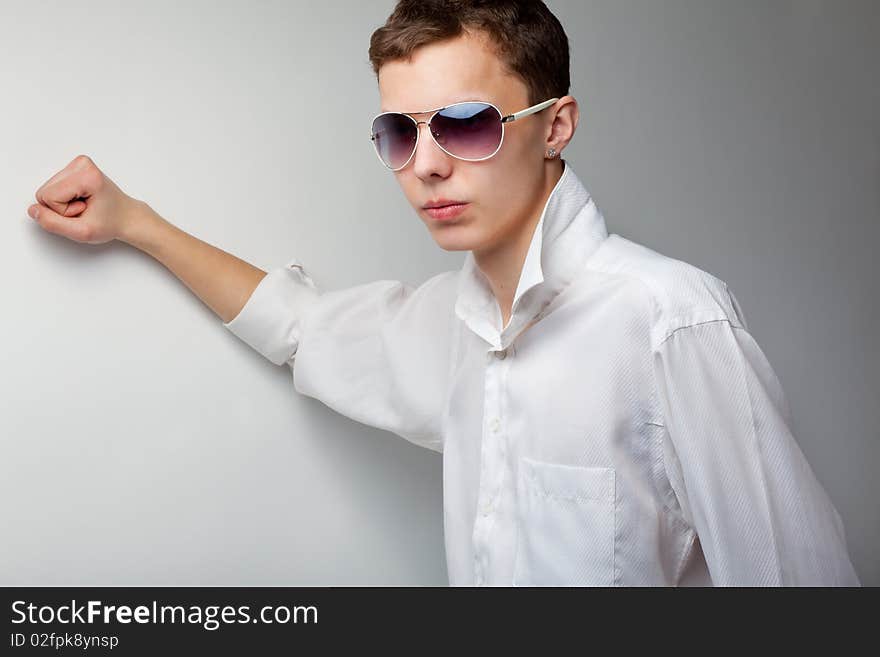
87	233
93	177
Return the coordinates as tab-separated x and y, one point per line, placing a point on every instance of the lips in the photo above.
441	203
446	212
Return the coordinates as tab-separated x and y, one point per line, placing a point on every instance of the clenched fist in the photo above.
82	204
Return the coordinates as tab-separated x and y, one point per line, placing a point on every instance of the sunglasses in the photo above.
470	131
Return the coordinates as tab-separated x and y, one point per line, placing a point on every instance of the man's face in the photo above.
501	192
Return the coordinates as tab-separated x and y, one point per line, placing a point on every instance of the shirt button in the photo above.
495	424
501	355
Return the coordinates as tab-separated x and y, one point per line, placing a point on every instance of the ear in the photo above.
563	124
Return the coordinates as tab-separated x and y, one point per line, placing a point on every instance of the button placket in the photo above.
492	450
501	437
490	461
493	454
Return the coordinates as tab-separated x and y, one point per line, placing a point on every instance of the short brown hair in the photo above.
528	38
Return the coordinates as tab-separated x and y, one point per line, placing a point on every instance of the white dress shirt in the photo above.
624	428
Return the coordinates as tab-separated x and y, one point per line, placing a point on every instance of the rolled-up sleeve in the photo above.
377	353
761	515
270	321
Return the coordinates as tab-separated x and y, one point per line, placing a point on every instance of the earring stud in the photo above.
552	153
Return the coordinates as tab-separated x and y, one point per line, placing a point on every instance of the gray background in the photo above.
142	443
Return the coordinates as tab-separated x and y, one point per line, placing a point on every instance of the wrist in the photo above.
142	228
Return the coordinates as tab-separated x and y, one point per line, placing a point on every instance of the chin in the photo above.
450	238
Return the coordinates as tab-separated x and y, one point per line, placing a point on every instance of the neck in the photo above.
502	262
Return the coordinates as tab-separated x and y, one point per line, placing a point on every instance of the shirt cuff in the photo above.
270	321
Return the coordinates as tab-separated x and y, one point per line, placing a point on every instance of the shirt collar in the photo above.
569	230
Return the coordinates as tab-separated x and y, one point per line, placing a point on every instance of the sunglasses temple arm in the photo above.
529	110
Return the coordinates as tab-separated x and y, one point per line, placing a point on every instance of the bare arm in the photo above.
82	204
221	280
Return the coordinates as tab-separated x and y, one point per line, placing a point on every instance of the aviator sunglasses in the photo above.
469	130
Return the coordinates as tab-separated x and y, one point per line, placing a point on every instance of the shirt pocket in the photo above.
566	525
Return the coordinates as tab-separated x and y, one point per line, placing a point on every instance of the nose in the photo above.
429	159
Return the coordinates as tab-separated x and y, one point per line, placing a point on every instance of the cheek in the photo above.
504	193
523	142
409	188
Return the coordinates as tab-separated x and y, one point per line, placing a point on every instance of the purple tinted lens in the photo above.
394	136
468	130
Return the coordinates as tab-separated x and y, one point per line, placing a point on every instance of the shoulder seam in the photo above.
666	318
693	324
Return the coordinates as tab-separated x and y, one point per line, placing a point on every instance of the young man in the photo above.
604	415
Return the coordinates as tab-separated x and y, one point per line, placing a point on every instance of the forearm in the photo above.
221	280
